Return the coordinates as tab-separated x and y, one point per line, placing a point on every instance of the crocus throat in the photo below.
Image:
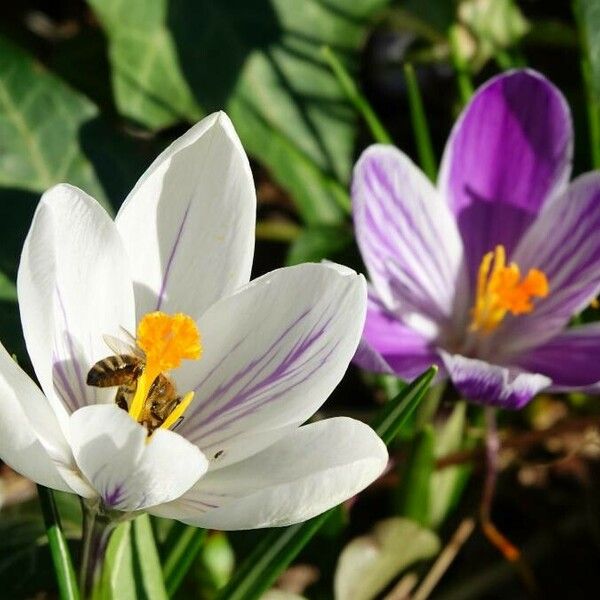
165	340
500	290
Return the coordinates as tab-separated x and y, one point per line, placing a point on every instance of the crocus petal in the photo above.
408	239
509	151
569	359
300	476
388	345
188	224
128	471
273	353
494	385
73	287
564	244
30	437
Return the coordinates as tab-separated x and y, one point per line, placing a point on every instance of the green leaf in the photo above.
40	123
446	484
414	491
396	412
147	566
8	290
216	565
489	27
369	563
181	555
278	547
117	580
587	13
261	62
148	83
132	569
319	242
63	565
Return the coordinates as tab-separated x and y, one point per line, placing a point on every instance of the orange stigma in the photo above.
165	340
500	290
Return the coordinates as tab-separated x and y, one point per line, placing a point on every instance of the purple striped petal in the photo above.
74	287
128	470
273	352
571	359
314	468
509	151
390	346
188	224
493	385
408	239
563	243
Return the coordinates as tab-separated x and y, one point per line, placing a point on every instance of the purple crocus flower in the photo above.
481	274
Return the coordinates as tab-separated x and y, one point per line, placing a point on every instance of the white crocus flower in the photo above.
260	357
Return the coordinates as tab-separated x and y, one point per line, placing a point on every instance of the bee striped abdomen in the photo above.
119	370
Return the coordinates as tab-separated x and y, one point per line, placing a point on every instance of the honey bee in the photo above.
123	369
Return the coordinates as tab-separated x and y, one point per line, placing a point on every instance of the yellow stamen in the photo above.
165	340
500	290
179	410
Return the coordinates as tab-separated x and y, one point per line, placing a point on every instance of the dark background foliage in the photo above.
91	92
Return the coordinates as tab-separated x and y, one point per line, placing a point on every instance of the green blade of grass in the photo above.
419	124
181	557
463	74
63	566
587	17
279	547
378	131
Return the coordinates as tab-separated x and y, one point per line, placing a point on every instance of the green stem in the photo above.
592	100
463	74
97	529
63	566
419	124
353	94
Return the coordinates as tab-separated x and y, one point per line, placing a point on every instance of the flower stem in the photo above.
510	552
97	529
59	550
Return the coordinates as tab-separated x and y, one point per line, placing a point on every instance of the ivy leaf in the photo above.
175	61
40	122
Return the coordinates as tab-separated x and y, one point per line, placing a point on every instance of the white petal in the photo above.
188	224
30	436
300	476
73	287
273	353
129	472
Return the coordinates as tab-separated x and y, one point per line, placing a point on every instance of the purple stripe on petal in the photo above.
63	386
407	236
387	342
74	353
265	380
564	244
485	383
115	496
508	153
165	278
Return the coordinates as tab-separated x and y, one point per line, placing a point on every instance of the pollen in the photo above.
166	340
502	290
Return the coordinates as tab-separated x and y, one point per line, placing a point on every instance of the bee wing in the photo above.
119	346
